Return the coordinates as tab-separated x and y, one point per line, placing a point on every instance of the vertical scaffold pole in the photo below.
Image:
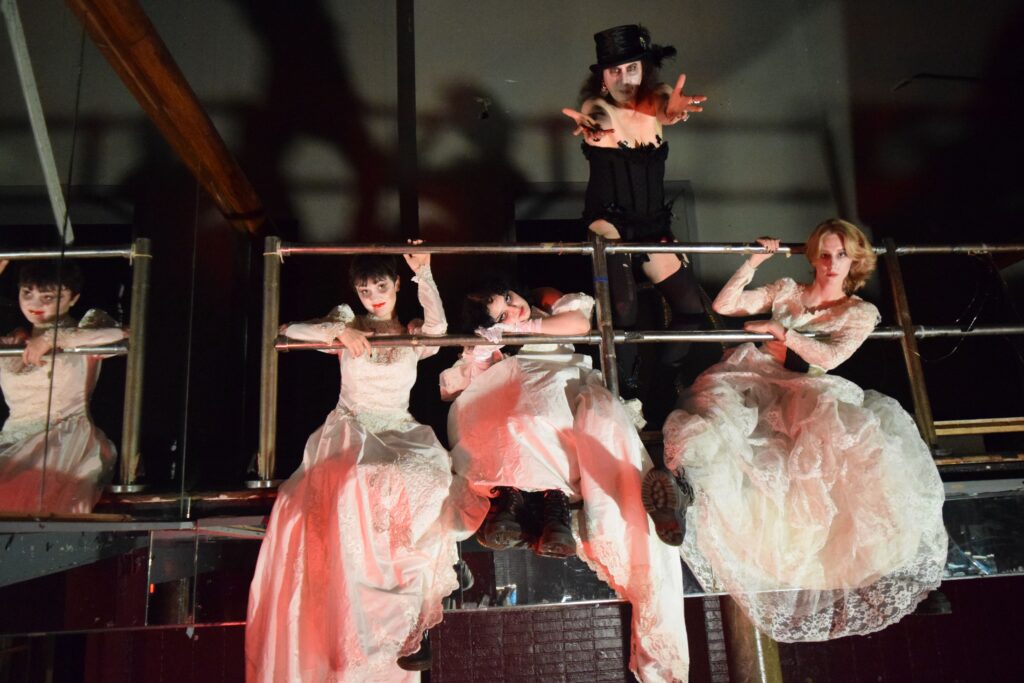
605	327
141	260
911	357
268	363
753	657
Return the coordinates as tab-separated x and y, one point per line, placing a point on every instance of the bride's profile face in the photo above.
832	263
378	297
508	308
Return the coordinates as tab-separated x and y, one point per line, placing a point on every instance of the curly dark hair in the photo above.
474	305
372	267
51	275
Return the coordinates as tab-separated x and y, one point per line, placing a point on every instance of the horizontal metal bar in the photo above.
991	425
99	252
639	337
959	249
585	248
289	249
105	350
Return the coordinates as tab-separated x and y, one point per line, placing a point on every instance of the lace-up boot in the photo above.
556	537
502	529
419	660
666	496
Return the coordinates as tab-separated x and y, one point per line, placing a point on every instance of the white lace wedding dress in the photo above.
818	506
60	465
543	420
357	557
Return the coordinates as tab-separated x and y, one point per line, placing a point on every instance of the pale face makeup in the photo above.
623	81
41	306
379	296
832	264
510	308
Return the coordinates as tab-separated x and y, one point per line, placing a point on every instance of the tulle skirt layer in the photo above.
356	558
818	505
63	470
539	423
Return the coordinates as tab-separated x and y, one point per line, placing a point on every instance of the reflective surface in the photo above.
67	576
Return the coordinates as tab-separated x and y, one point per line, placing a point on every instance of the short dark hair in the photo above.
372	267
51	274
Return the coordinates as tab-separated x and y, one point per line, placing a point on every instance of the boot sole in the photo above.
503	537
557	544
666	503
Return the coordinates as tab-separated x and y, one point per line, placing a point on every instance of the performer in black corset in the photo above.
624	106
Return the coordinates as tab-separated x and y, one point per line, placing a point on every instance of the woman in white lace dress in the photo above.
356	558
542	420
53	459
818	506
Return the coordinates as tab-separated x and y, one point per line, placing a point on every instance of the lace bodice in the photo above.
26	388
849	322
376	386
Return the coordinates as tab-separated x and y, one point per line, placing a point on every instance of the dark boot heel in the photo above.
666	498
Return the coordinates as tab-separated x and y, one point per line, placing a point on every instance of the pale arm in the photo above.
733	300
434	321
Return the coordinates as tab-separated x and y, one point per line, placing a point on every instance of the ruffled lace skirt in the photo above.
357	556
818	508
70	466
539	424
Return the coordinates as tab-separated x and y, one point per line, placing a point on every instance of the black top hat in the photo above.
628	43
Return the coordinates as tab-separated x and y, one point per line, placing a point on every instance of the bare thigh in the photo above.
659	267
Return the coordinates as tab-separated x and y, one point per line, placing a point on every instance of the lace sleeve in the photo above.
732	300
474	361
95	329
855	326
323	329
434	321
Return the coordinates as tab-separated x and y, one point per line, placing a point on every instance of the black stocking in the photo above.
624	315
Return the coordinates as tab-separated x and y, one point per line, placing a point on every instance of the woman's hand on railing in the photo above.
354	340
769	243
416	261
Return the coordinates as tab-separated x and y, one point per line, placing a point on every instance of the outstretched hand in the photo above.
417	261
586	126
680	106
769	243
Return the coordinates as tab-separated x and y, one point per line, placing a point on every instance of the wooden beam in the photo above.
129	41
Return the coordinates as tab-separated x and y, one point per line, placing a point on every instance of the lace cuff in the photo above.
323	329
434	321
584	303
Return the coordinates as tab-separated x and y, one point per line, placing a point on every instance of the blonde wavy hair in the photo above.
857	245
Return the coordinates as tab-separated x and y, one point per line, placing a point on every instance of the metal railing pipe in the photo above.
908	342
603	299
119	349
135	366
41	254
266	457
